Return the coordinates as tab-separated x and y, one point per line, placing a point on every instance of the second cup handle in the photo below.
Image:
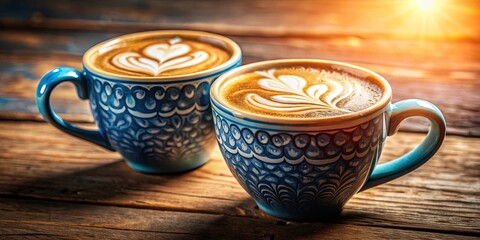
45	88
399	111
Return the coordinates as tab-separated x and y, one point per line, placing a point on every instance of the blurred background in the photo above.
427	49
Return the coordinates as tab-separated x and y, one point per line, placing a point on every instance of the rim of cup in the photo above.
206	37
351	119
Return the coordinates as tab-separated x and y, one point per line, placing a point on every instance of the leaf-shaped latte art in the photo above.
158	58
293	97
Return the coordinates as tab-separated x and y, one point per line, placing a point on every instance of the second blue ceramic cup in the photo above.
308	168
158	125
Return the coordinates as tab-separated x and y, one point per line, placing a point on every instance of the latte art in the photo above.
159	58
162	57
294	97
300	92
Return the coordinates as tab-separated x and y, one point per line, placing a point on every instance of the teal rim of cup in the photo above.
215	39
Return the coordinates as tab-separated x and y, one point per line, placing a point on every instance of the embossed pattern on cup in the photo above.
291	174
164	126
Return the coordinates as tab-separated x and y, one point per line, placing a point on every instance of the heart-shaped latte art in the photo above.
163	52
158	58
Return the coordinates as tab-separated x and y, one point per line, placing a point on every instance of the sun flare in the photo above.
425	5
422	19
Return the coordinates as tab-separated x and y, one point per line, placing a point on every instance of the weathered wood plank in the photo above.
432	55
45	230
440	196
437	72
253	17
21	218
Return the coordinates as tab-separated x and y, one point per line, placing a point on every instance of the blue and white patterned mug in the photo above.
159	124
308	168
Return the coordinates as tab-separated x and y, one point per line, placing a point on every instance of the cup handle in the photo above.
45	88
399	111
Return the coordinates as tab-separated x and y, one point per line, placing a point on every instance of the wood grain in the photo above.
39	162
437	72
45	219
311	18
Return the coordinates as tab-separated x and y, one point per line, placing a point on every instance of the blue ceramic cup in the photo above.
158	124
308	168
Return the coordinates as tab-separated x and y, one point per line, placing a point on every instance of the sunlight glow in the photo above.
426	19
425	5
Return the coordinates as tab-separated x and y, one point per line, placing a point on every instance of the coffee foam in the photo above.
300	92
161	57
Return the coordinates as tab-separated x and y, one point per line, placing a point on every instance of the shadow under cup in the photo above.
158	124
308	168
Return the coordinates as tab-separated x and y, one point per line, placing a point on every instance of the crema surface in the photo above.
300	92
161	57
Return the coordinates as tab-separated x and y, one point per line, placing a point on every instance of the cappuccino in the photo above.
300	92
156	57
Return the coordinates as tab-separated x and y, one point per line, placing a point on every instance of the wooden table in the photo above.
55	186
